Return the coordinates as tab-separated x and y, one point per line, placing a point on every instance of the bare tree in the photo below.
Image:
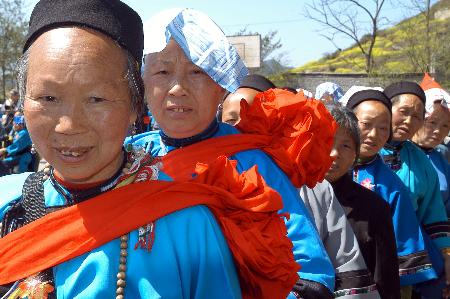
12	33
352	19
419	41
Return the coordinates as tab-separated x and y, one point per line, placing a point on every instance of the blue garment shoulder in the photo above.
11	190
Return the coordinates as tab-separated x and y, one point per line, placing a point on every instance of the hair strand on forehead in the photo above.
346	119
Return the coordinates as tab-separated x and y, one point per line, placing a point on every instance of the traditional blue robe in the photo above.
419	176
442	168
308	249
414	262
189	258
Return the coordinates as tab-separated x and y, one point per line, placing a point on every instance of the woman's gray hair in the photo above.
346	119
133	76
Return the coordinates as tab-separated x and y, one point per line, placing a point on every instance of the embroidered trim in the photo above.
366	183
438	229
355	291
414	263
415	269
31	288
146	237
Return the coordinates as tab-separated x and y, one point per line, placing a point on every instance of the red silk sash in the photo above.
244	206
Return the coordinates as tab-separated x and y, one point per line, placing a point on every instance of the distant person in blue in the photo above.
17	156
189	65
373	111
417	173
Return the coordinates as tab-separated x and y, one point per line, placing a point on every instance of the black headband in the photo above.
110	17
405	87
369	95
257	82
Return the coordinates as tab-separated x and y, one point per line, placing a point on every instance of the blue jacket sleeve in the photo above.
10	191
205	263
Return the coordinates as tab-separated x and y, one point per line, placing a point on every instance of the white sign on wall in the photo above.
249	48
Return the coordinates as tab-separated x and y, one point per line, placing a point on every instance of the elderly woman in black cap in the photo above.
373	111
65	232
414	169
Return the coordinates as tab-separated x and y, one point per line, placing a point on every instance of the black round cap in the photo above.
110	17
257	82
405	87
369	95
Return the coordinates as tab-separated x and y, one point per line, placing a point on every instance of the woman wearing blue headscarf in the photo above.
188	67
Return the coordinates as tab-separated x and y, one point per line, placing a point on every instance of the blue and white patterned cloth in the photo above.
203	42
330	88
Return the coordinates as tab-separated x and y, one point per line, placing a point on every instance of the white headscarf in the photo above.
353	90
202	41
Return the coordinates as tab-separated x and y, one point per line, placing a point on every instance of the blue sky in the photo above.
299	36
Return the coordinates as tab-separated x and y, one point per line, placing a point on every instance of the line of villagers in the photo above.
283	198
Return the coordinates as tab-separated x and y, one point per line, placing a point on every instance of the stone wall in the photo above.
309	81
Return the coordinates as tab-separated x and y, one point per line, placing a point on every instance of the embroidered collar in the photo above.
393	160
394	145
362	162
75	196
182	142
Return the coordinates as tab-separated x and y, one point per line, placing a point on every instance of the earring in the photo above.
133	130
33	149
129	147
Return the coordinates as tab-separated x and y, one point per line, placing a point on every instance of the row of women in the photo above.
202	208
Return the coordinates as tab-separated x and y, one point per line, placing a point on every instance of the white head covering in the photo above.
434	93
355	89
331	88
202	41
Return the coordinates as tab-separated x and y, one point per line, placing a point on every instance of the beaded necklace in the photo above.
141	166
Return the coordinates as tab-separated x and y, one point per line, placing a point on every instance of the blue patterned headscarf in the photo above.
330	88
202	41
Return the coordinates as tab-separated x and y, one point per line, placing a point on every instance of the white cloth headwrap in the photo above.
202	41
436	95
331	88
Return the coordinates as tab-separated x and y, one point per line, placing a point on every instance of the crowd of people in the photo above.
15	143
244	190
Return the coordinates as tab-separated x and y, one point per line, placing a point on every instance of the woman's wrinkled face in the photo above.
343	153
77	104
435	127
374	122
181	96
407	117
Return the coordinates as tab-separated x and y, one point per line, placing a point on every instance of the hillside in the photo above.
398	49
